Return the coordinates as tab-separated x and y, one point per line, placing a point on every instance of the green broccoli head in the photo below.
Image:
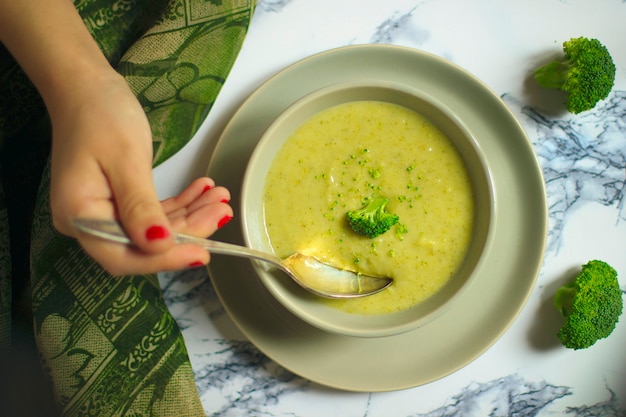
591	305
372	220
586	73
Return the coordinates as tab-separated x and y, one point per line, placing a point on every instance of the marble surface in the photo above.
583	157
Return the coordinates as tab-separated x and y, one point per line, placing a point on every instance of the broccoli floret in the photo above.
586	73
372	220
591	305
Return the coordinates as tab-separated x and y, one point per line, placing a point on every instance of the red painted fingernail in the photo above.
156	232
196	264
223	221
206	188
225	200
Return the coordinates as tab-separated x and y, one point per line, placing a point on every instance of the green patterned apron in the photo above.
108	344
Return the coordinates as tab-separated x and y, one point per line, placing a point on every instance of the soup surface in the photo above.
347	154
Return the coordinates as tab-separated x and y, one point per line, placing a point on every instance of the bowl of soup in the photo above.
341	146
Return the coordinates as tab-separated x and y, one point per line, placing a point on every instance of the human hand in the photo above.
102	168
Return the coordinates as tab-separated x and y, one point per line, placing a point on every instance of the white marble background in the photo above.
526	373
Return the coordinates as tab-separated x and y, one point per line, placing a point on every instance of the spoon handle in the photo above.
223	248
111	230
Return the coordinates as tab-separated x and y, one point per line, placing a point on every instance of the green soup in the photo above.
348	153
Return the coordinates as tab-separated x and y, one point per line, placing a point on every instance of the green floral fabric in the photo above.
108	344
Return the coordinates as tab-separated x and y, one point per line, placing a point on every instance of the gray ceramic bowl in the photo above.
308	307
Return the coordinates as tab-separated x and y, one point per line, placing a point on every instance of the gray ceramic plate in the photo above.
482	313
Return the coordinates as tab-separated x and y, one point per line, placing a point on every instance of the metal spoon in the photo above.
319	278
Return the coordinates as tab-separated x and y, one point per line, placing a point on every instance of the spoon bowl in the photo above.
311	274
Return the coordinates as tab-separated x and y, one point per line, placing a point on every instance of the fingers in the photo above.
199	210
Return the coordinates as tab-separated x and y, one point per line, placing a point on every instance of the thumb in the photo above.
138	206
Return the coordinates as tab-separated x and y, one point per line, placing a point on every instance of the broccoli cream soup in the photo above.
348	154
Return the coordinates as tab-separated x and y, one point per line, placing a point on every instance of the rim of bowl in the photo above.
377	325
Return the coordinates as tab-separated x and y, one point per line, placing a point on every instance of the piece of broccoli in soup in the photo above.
372	219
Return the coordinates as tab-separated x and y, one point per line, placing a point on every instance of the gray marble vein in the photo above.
507	396
274	6
583	158
608	408
186	290
245	382
390	27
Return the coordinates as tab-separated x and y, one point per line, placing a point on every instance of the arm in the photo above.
102	145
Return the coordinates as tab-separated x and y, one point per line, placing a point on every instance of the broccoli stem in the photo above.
552	75
564	299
